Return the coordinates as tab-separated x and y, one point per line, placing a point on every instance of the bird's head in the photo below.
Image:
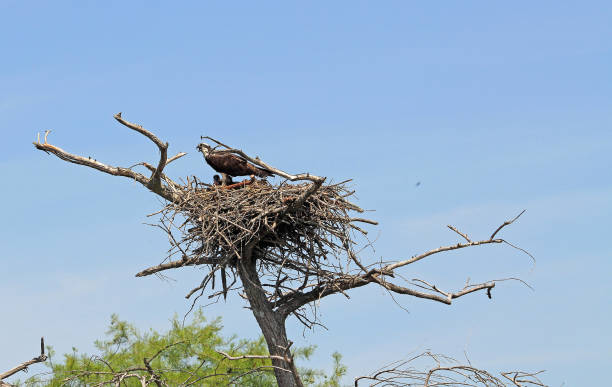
204	148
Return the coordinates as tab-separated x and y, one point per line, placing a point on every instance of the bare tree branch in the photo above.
455	247
521	379
506	223
458	246
163	148
460	233
24	366
445	371
338	284
153	183
228	357
176	264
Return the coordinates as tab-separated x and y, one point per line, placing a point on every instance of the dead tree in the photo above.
282	246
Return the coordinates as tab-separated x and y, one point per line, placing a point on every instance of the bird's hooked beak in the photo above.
204	148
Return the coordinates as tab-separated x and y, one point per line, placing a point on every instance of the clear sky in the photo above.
494	107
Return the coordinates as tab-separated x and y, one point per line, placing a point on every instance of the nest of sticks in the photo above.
219	222
297	229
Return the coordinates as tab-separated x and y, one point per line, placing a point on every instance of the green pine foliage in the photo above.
184	355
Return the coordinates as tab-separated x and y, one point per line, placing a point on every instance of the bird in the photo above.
230	164
226	179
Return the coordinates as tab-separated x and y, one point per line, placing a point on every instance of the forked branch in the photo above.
469	243
339	284
168	191
155	180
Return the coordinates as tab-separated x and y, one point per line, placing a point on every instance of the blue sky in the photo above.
494	107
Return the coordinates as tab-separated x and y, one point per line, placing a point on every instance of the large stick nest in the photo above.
297	226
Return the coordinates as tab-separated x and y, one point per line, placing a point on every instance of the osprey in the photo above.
224	180
230	164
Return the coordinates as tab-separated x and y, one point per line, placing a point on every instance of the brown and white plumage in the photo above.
226	179
230	164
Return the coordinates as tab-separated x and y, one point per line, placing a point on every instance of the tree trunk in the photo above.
272	324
